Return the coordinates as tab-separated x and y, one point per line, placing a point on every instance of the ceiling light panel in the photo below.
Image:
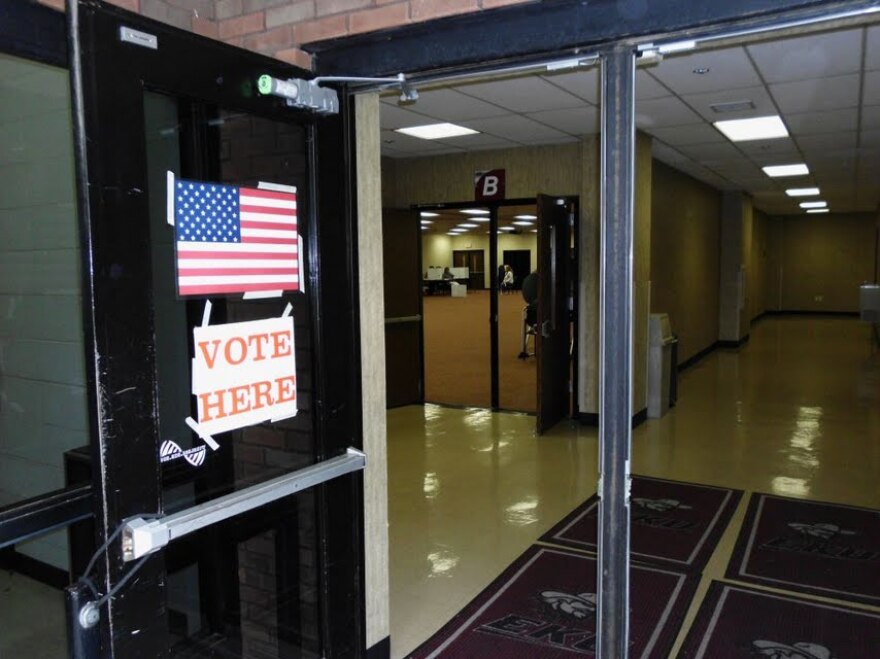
468	225
428	214
799	169
813	204
802	192
474	211
436	131
525	217
523	223
756	128
818	210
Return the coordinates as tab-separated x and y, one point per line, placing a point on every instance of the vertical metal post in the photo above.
615	349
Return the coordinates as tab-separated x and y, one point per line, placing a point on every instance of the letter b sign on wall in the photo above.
489	186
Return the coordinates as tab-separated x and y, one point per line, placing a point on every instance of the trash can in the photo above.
661	342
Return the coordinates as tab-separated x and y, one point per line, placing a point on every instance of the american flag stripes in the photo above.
234	240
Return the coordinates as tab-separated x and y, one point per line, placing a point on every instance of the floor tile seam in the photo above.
754	585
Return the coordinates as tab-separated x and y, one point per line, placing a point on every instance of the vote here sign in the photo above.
244	373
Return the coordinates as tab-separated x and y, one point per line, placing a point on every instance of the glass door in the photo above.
224	348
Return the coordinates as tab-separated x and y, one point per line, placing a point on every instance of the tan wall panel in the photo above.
827	257
530	170
685	234
641	271
372	327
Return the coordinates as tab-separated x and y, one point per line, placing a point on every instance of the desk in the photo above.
440	286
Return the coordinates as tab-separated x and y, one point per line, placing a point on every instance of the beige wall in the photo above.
641	271
824	260
763	266
685	234
530	170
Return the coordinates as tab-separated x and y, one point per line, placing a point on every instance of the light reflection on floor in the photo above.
796	413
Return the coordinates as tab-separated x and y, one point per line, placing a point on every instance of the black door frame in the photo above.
115	75
494	341
35	32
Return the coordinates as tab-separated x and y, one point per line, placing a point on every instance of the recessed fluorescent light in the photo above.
427	222
428	214
534	231
813	204
818	210
802	192
453	233
505	228
424	228
526	217
458	230
756	128
523	223
474	211
786	170
468	225
436	131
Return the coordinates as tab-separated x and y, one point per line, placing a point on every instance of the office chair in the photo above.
529	314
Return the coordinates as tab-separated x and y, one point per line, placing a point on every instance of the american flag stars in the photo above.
207	212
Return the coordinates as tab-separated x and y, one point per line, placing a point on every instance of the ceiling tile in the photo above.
410	145
810	123
584	84
694	134
478	141
450	105
872	48
576	121
870	138
818	94
819	144
391	116
762	150
647	86
870	116
517	128
666	154
711	152
812	56
872	88
757	95
729	68
661	112
531	94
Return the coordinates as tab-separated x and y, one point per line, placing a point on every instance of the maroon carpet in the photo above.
673	523
543	607
735	622
809	546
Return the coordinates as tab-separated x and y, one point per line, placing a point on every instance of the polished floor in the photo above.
795	412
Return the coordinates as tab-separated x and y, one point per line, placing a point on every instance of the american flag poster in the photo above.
233	239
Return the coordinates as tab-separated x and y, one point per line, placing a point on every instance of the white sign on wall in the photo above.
243	374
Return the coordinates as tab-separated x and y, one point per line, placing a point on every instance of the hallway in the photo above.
795	413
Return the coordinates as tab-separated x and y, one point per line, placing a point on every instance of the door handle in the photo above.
403	319
144	536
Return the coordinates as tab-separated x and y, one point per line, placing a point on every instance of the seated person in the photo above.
507	282
447	275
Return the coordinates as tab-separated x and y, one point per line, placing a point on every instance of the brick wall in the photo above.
281	27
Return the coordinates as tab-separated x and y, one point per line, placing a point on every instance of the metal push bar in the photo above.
142	536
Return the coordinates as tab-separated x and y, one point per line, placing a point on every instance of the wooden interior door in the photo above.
553	336
401	255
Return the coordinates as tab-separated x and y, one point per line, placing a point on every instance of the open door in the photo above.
553	330
228	500
402	273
